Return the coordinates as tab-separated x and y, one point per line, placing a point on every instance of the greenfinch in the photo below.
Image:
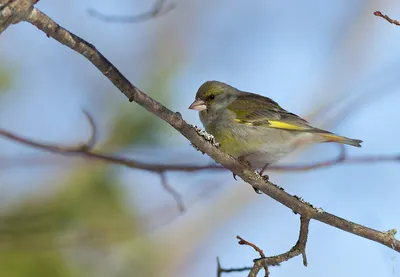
253	128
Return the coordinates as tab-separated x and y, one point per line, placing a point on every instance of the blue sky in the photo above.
301	54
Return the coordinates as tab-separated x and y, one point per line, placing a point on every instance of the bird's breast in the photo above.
256	144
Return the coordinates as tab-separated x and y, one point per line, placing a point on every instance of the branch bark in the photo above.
12	12
52	29
387	18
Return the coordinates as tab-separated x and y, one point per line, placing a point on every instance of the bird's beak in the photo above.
198	105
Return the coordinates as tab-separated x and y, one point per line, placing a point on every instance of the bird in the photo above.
253	128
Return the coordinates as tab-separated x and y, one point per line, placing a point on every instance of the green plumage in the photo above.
255	128
257	109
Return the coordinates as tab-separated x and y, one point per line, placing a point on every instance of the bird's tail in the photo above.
329	137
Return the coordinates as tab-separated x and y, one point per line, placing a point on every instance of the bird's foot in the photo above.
265	177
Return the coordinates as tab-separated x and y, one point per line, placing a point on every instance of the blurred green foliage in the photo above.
134	125
87	212
82	227
46	236
6	79
35	264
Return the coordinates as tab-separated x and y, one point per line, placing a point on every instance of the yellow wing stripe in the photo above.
274	124
284	125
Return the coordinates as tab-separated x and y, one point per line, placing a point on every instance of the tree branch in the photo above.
80	148
12	12
297	249
159	8
85	149
52	29
257	249
221	270
170	190
387	18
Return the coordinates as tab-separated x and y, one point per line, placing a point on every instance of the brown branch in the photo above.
85	148
297	249
257	249
52	29
221	270
264	262
159	8
387	18
86	151
13	12
172	191
80	148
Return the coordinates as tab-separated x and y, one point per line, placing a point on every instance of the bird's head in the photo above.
213	95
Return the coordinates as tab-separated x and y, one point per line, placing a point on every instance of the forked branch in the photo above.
53	30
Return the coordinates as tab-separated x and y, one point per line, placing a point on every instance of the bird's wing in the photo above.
256	110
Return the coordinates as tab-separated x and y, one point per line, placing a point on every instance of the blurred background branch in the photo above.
52	29
221	270
81	218
161	7
86	151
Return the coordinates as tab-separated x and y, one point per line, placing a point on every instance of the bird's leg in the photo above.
266	178
242	159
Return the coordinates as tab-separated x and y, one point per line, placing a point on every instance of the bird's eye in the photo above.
212	96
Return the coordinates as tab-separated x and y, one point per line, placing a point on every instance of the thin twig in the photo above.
159	8
256	248
85	148
173	192
221	270
80	148
388	19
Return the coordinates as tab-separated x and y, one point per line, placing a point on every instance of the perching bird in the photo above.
254	128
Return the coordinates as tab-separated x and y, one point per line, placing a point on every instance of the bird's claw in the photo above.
234	176
265	177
